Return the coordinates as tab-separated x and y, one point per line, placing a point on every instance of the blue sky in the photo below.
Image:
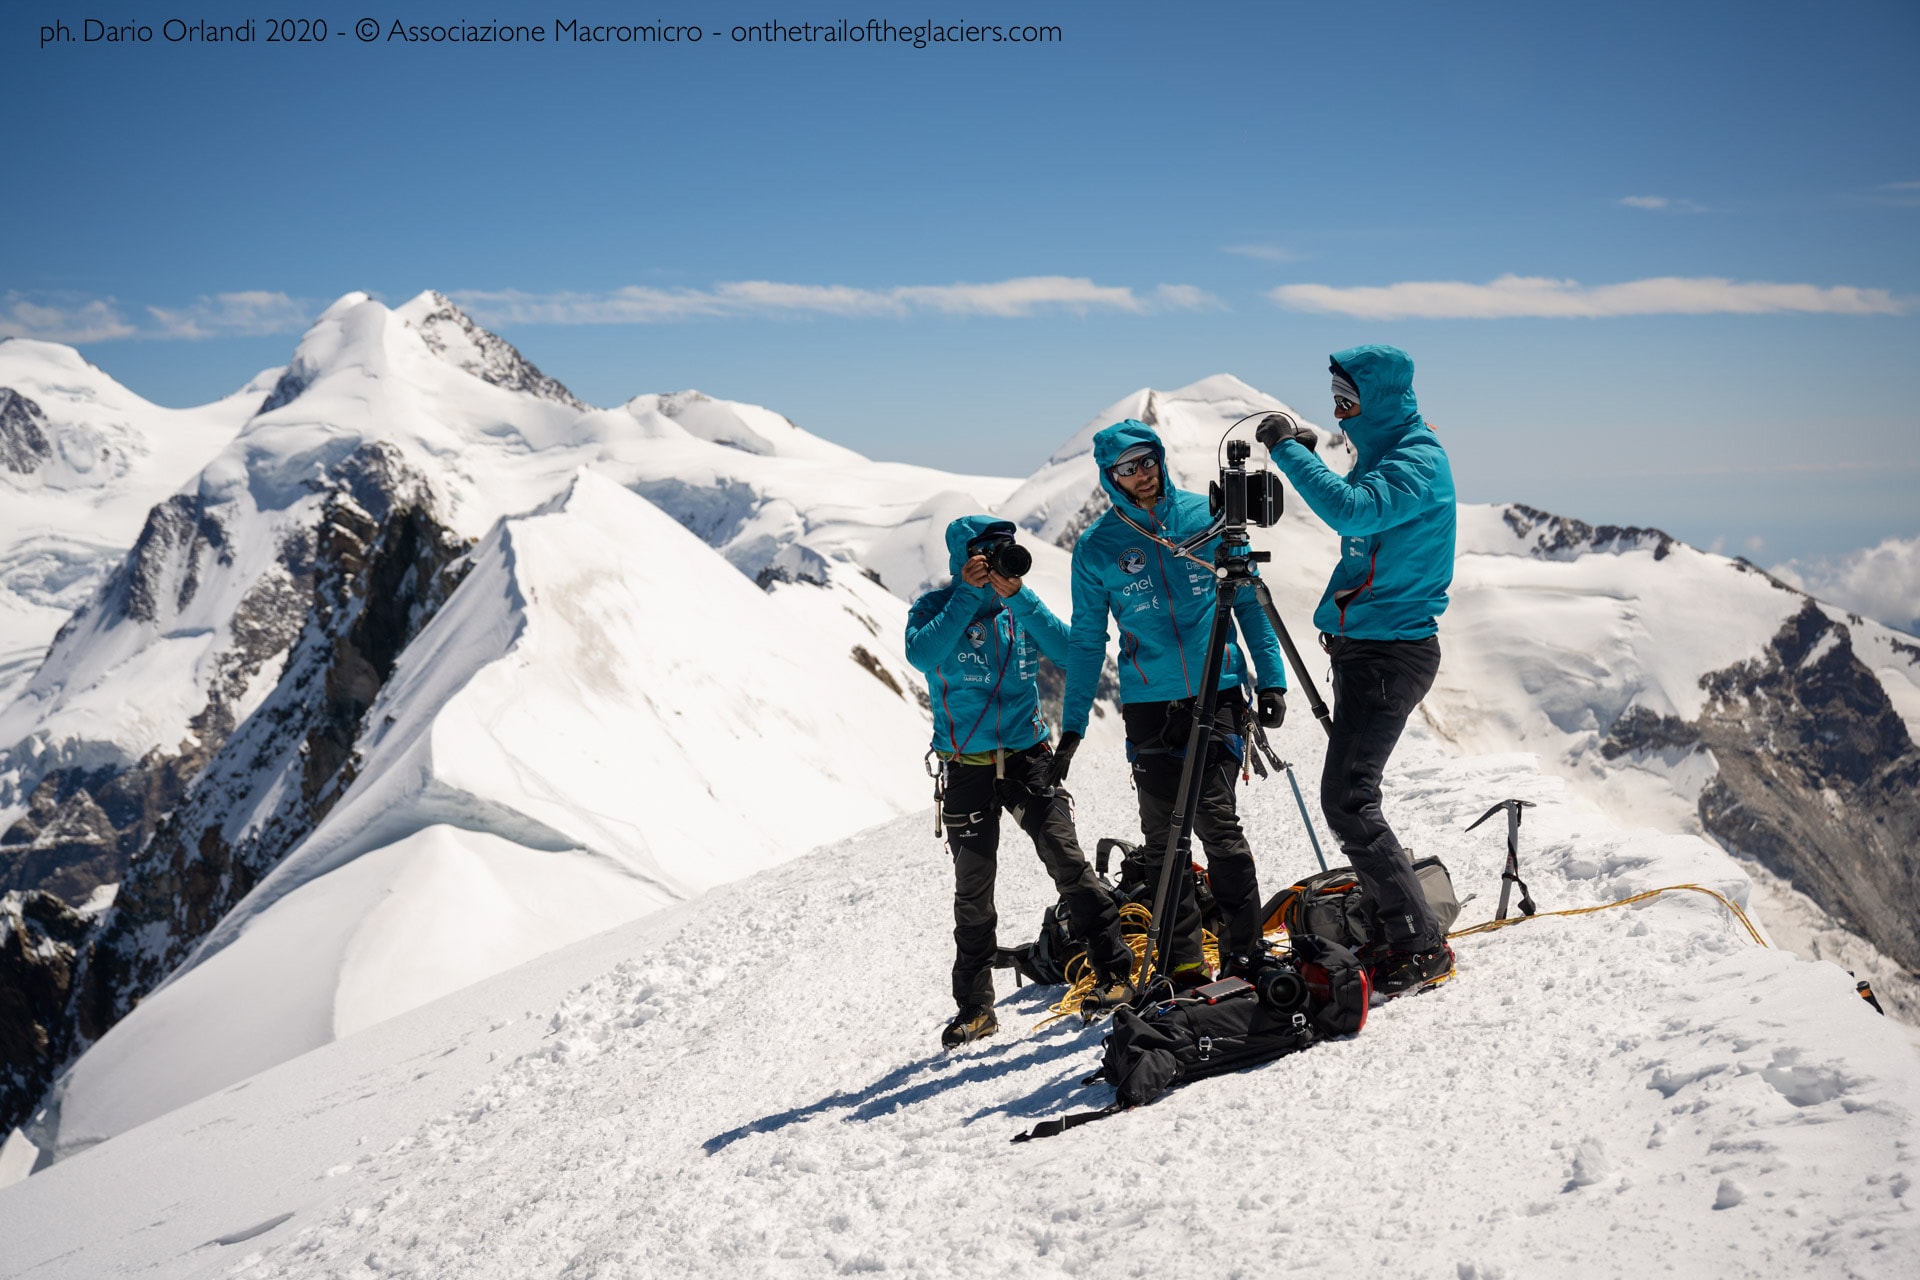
1160	195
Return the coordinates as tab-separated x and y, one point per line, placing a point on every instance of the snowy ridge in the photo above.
601	720
1611	1095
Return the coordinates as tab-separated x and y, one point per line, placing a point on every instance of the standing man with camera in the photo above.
1128	565
1394	512
979	641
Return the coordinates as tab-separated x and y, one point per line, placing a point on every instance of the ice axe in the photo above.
1511	876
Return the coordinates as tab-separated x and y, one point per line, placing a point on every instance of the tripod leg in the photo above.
1177	856
1265	596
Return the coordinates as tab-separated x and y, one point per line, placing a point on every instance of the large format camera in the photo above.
1241	497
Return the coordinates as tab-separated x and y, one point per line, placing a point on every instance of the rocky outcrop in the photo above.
451	334
23	433
39	936
1562	538
1816	777
360	585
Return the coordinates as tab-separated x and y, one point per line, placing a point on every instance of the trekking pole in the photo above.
1511	875
1286	766
1301	801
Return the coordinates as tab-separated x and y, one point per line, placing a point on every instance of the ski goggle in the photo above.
1127	470
1342	404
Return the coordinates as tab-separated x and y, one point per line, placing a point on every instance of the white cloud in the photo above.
1263	252
224	315
251	313
1880	582
1540	296
636	304
64	321
1667	204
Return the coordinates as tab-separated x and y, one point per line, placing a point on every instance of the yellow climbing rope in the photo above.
1721	898
1135	917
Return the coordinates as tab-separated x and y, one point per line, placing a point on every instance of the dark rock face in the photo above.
1817	777
23	433
450	332
1096	505
285	391
356	588
39	935
1561	538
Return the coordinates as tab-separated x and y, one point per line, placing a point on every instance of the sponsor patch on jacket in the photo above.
977	634
1132	560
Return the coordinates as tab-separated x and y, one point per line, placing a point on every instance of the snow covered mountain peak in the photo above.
746	427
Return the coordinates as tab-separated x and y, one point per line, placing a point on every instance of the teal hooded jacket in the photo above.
981	654
1163	603
1394	511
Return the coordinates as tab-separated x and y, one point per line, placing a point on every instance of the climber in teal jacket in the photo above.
1125	566
979	641
1394	512
1163	603
981	652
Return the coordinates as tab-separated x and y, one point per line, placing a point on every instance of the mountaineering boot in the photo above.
1398	972
1112	987
974	1022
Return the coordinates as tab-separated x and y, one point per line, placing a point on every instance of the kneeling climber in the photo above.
980	641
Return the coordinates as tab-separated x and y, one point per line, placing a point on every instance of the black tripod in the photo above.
1241	498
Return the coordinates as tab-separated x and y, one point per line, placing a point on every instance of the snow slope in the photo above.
751	1085
81	460
604	719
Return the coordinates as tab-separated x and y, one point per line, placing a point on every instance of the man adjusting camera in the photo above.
1127	566
1394	512
979	641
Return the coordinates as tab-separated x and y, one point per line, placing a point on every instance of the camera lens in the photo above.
1011	560
1283	989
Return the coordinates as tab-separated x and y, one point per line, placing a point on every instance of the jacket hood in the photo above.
1115	440
1388	411
965	530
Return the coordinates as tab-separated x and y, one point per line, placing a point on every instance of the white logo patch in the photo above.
977	634
1132	560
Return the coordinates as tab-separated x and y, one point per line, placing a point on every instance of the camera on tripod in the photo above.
1241	497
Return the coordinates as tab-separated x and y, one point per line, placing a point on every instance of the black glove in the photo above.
1277	428
1063	758
1273	708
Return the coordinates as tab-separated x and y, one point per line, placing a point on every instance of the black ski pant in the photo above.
1376	686
1157	740
971	811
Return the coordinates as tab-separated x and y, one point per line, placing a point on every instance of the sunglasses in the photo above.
1126	470
1343	404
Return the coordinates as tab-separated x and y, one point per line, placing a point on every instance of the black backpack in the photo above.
1319	992
1332	906
1139	881
1050	958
